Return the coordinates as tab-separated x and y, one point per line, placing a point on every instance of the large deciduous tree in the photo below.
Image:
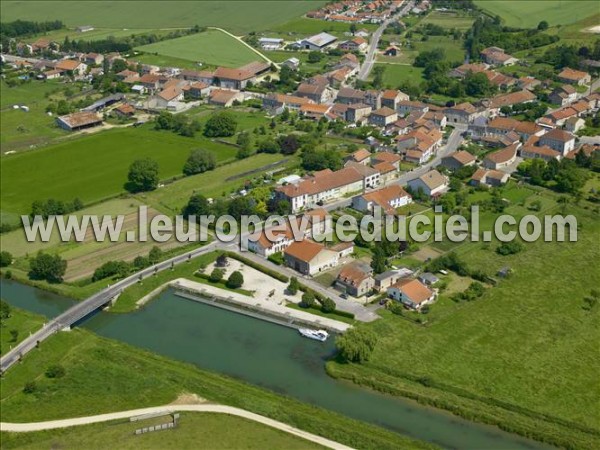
143	175
199	161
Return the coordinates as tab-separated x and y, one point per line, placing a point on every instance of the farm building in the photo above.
79	121
270	43
318	42
99	105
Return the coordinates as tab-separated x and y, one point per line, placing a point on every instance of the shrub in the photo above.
328	305
509	248
356	345
276	258
55	371
110	269
5	259
293	286
30	387
308	300
235	280
220	124
199	161
216	275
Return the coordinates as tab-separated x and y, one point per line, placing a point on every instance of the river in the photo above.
267	355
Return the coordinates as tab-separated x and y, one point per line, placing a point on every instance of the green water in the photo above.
270	356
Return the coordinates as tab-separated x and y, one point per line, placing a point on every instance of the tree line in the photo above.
19	28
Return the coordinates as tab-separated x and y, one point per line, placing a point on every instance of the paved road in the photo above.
452	144
363	74
360	312
168	409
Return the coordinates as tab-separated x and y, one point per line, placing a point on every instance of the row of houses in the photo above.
356	11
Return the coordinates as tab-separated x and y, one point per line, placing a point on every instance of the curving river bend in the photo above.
271	356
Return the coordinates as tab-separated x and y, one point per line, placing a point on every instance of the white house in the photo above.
388	199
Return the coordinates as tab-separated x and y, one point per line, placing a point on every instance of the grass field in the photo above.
524	355
164	61
396	74
96	34
20	128
527	14
123	372
94	167
449	19
194	430
23	322
236	16
217	183
84	257
212	47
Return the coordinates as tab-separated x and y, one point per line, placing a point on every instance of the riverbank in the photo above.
255	351
138	378
483	410
255	307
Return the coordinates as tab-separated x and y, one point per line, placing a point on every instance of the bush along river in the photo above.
270	356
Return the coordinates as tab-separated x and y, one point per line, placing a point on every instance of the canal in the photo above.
267	355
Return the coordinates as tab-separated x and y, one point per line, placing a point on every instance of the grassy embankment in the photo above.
523	356
194	430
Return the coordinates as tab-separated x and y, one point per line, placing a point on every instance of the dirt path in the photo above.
222	409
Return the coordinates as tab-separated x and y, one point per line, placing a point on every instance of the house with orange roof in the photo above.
355	279
411	293
572	76
419	145
276	240
314	111
462	113
383	116
388	199
431	183
228	78
309	258
560	140
458	160
391	158
275	103
356	44
510	99
225	97
361	156
496	57
196	90
71	66
391	97
489	177
502	158
313	190
539	152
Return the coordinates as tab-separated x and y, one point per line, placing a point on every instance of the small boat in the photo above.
318	335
